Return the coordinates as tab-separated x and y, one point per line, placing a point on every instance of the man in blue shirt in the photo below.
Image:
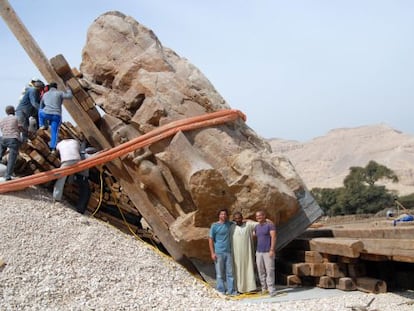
265	252
28	106
220	250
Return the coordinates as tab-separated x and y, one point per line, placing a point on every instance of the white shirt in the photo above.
68	150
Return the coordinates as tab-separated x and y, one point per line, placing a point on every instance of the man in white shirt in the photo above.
69	150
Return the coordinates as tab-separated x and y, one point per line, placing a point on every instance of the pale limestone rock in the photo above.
142	85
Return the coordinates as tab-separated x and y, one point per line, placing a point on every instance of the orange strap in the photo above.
162	132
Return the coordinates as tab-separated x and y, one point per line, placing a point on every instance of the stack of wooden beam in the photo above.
356	258
108	201
311	268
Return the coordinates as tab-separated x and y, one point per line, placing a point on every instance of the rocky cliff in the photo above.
325	161
141	85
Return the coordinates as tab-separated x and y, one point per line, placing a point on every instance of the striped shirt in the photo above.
9	127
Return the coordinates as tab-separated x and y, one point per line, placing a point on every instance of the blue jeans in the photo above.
54	120
224	269
13	145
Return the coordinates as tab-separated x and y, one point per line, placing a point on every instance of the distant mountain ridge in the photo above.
325	161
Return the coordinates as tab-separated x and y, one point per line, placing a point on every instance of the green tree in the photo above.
328	200
359	194
370	174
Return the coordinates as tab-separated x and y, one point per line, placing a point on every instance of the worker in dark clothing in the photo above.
28	107
10	140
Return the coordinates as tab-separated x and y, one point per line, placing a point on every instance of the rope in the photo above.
100	193
162	132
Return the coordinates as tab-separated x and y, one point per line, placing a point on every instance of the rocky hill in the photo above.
325	161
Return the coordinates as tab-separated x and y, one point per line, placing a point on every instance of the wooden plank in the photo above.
371	285
346	284
74	85
76	72
52	158
301	269
62	68
89	102
40	145
374	233
36	156
82	97
317	269
389	247
343	247
94	114
301	256
313	257
326	282
403	258
291	280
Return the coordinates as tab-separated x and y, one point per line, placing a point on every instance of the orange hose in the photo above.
162	132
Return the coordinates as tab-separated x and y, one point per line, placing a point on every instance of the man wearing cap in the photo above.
28	106
11	135
51	111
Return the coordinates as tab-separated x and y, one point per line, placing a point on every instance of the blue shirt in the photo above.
264	239
29	102
220	234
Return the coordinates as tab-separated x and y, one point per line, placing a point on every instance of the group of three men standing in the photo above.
232	248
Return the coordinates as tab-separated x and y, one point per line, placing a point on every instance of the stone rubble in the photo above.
57	259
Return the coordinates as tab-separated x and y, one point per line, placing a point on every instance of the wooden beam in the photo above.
389	247
346	284
371	285
381	232
342	247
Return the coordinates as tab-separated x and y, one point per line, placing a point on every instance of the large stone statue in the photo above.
141	85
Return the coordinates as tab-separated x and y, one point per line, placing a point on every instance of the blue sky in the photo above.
297	68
